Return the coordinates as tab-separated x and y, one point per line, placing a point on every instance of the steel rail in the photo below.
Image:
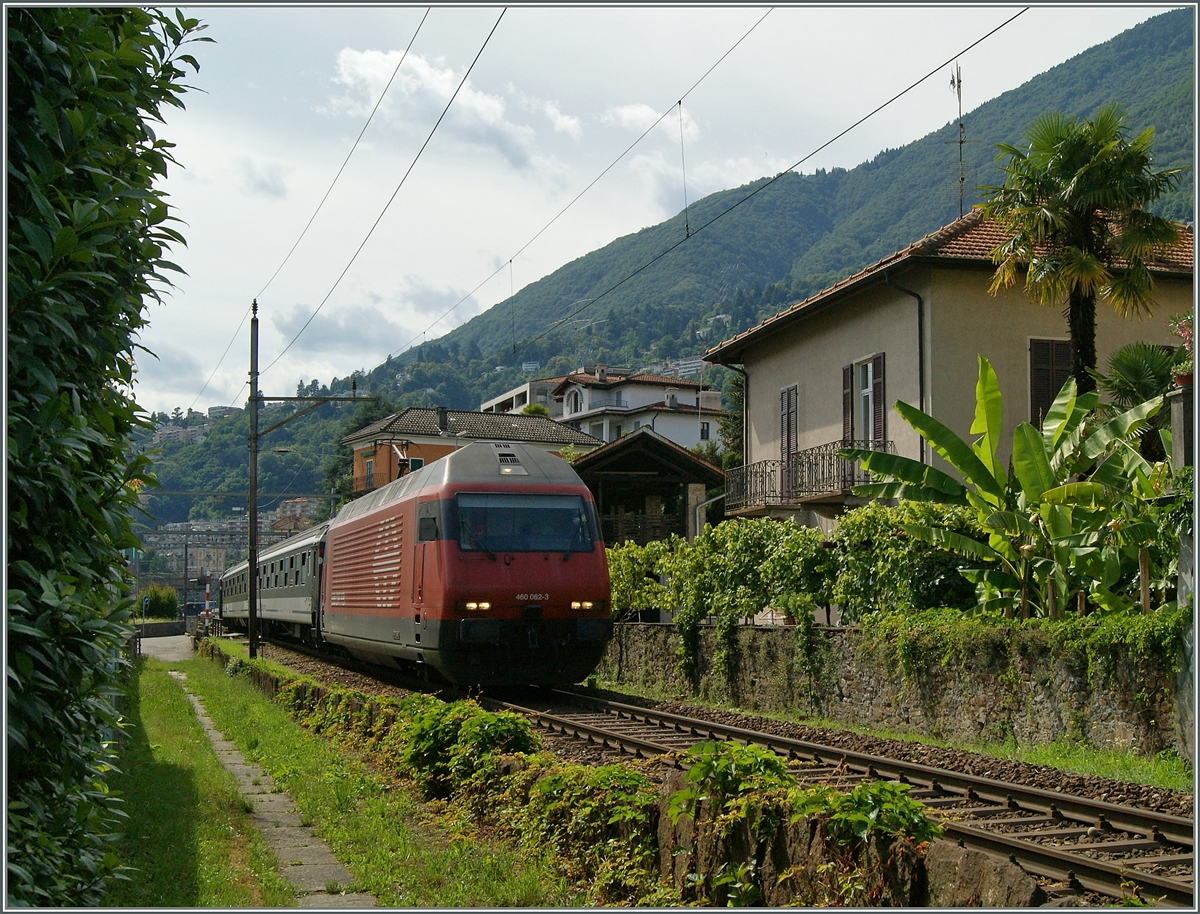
1067	866
1056	863
1176	829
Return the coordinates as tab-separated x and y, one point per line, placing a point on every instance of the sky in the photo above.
555	96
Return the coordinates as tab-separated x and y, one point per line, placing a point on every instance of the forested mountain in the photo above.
797	236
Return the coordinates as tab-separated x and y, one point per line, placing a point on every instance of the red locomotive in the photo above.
485	566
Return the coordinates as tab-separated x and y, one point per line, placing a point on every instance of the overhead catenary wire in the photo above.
554	326
387	205
687	228
313	217
589	186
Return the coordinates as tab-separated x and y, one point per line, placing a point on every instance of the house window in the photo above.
573	402
1049	368
788	432
637	423
703	431
617	431
863	413
370	482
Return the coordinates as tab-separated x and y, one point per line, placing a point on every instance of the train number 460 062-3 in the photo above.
526	597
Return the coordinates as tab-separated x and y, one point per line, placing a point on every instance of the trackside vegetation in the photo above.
598	827
87	236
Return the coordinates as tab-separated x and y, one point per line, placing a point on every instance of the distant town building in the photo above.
177	434
220	412
527	367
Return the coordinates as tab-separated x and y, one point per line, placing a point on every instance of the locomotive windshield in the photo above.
500	522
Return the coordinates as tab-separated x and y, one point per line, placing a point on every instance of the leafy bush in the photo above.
880	567
726	771
87	231
448	742
164	601
634	572
882	807
604	820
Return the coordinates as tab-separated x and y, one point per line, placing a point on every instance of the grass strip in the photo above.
389	840
1166	770
188	837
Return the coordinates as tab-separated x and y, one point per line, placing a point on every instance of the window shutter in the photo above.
878	426
848	403
783	428
1062	366
788	432
1049	368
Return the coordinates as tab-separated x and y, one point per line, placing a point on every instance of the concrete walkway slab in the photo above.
304	859
169	649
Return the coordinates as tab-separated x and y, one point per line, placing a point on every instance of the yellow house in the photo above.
826	371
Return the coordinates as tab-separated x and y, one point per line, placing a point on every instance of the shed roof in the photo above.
644	453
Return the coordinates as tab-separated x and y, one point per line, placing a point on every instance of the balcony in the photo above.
812	475
607	403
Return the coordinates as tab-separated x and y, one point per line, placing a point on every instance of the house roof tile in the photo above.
421	421
968	239
586	379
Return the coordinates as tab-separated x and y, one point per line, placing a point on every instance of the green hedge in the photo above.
87	231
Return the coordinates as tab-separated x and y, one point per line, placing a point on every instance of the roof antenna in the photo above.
956	87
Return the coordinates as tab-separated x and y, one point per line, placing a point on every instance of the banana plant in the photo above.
1049	512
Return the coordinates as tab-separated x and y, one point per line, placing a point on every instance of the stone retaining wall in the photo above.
795	861
1025	694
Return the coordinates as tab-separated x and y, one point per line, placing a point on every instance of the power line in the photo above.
304	231
767	184
387	205
590	185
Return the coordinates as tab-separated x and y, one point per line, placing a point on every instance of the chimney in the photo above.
441	418
601	373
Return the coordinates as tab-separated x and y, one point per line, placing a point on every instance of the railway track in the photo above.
1086	844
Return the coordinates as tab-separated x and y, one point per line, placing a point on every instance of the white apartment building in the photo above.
607	403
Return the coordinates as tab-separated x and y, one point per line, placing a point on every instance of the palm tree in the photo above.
1073	204
1139	372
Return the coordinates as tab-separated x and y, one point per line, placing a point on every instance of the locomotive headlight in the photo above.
582	604
473	606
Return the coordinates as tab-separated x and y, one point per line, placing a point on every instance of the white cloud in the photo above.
637	118
418	95
263	179
563	123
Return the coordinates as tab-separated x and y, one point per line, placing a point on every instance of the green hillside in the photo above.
799	235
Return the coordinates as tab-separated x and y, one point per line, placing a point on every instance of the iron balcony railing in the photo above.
818	470
754	486
812	473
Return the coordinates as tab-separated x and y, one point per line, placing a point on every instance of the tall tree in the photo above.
1074	205
87	233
